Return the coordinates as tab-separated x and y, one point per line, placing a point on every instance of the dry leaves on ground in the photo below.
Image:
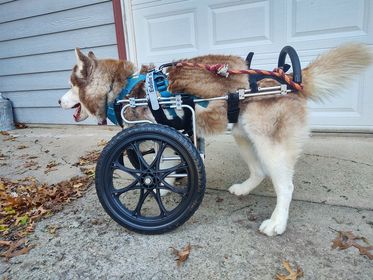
293	275
51	166
31	164
182	255
10	138
89	158
23	202
15	248
346	239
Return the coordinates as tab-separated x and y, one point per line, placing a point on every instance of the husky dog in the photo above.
270	131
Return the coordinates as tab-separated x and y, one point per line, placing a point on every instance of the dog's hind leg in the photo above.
278	160
256	173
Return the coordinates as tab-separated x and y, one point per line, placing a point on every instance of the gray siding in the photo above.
37	42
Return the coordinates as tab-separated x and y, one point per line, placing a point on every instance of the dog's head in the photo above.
94	83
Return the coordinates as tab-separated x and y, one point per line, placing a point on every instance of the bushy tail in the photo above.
333	69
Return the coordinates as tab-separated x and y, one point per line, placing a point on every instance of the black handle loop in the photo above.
295	63
248	59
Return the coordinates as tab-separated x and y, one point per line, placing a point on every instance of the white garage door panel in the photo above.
168	30
170	27
250	22
320	19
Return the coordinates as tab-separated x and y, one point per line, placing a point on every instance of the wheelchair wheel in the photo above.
136	178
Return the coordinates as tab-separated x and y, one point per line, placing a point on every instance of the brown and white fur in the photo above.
271	130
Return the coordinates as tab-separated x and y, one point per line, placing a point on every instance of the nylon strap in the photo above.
233	107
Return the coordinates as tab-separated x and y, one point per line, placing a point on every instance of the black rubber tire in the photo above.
195	186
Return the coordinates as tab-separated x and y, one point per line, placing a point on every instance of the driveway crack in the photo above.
342	159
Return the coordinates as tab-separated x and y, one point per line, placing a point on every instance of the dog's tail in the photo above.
330	71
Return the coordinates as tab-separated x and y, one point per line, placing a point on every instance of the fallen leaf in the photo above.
89	158
20	147
182	255
293	275
78	185
51	166
90	172
5	243
31	227
52	229
22	220
10	138
21	125
102	143
3	157
346	239
219	199
31	163
4	227
32	157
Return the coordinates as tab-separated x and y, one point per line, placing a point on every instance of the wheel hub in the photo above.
148	180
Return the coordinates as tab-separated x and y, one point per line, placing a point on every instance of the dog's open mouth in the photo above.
77	111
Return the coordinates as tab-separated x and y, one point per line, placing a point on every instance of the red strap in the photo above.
215	68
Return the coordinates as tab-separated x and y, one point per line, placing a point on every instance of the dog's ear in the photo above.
91	55
81	59
84	63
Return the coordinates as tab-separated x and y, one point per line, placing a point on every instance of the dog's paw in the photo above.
238	189
272	228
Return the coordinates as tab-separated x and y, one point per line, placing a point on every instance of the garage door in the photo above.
161	31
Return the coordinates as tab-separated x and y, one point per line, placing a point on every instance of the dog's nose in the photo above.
59	101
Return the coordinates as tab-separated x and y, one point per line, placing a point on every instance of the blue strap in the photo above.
131	83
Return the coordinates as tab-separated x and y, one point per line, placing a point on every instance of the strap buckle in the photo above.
151	92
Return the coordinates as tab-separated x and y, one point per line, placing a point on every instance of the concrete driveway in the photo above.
333	192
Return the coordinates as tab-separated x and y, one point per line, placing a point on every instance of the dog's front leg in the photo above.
256	173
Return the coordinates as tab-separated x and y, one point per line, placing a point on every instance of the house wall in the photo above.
37	42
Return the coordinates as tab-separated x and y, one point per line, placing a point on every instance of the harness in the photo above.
155	82
157	95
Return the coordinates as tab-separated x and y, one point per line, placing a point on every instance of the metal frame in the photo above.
175	102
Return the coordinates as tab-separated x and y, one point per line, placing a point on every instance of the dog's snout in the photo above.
59	101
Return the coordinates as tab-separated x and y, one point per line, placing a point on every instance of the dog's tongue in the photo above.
77	113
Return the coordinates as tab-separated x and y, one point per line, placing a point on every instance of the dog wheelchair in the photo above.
150	178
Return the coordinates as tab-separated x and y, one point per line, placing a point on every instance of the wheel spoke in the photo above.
120	159
157	159
143	196
169	187
140	157
158	198
165	172
130	171
133	186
